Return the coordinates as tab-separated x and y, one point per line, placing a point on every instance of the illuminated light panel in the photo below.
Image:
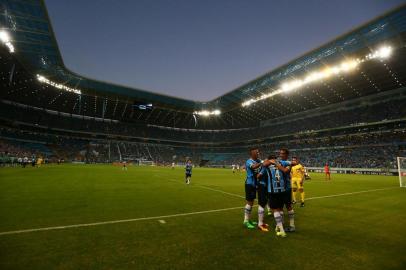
207	113
5	39
58	85
343	67
383	52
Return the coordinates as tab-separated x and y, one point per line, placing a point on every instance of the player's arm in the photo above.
302	172
261	173
255	166
264	163
282	168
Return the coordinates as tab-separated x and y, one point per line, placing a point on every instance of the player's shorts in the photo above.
297	183
250	192
276	200
262	193
328	172
287	195
188	175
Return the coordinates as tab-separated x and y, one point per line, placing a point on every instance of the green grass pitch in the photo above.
355	230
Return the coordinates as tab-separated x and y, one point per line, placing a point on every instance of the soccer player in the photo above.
188	171
33	161
275	184
124	168
39	162
327	172
173	165
25	161
252	167
284	167
306	174
233	167
297	174
262	189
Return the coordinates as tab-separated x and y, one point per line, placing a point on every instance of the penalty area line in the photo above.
167	216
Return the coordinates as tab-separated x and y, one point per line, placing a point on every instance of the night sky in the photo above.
197	49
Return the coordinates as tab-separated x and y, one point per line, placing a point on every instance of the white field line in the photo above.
319	181
312	198
220	191
116	221
165	216
208	188
349	193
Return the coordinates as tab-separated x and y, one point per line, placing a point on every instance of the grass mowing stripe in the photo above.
167	216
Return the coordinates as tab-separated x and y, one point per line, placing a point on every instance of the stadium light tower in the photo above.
207	113
343	67
42	79
6	40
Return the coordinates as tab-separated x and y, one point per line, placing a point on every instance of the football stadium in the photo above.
303	167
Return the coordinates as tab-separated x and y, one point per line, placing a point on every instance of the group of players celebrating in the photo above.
274	180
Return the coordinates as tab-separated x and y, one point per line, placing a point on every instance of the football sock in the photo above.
278	220
261	211
282	216
291	218
294	195
302	196
247	212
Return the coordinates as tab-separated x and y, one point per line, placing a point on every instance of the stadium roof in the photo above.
31	33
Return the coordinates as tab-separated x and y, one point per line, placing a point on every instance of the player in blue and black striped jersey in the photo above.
252	167
275	184
277	178
188	171
284	166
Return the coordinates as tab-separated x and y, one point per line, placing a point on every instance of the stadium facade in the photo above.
348	93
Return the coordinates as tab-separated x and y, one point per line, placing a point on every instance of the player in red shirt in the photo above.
327	172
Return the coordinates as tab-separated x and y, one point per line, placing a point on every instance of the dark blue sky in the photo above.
197	49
